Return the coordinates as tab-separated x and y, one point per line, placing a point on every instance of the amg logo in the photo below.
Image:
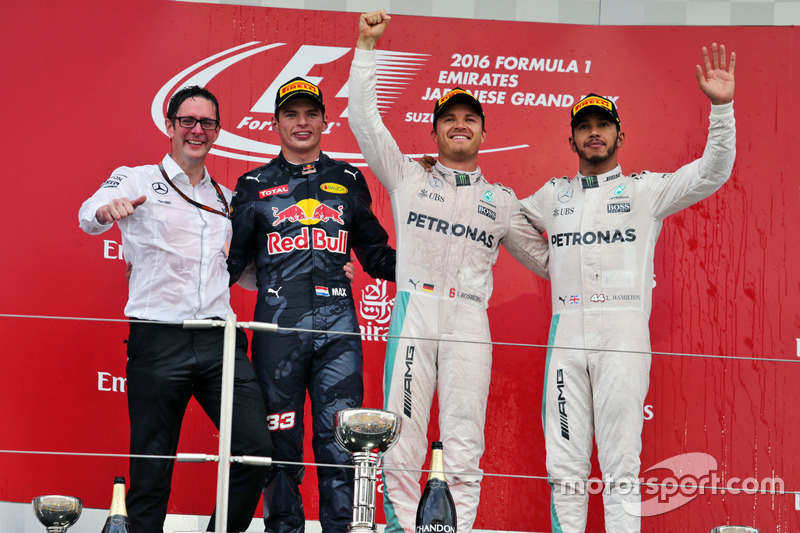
619	208
485	211
407	382
562	404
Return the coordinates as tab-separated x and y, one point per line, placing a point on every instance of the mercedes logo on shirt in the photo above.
565	195
160	187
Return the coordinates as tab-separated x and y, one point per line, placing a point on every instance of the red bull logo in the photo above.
308	212
316	240
293	213
323	213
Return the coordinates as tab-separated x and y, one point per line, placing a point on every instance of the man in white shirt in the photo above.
176	231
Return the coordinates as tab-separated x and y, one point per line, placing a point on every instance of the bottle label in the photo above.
435	528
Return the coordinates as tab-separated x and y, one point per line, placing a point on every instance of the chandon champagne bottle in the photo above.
436	512
117	521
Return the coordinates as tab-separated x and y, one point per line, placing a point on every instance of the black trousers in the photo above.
167	365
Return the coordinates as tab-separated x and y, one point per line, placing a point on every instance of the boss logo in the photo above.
485	211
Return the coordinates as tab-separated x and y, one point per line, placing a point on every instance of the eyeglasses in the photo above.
205	123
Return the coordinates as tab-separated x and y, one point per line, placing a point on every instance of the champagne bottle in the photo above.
117	521
436	512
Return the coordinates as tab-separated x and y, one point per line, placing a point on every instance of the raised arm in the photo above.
671	192
715	77
370	28
380	150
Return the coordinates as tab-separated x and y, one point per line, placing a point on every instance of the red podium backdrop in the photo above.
85	85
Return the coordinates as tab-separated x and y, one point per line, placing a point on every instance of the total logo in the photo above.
308	211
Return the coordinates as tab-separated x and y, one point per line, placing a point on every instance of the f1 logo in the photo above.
306	58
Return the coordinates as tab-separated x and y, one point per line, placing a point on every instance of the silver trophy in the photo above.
366	434
734	529
57	513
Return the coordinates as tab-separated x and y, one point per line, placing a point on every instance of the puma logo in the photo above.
273	291
355	175
414	283
562	299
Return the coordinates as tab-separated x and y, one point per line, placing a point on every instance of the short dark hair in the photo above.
190	92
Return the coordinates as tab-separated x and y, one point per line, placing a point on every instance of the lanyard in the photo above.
226	213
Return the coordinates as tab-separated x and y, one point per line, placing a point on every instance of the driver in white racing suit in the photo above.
449	224
603	227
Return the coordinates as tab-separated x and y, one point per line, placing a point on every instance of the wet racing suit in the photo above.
300	223
449	227
603	231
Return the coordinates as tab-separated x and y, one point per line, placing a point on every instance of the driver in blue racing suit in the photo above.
299	216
